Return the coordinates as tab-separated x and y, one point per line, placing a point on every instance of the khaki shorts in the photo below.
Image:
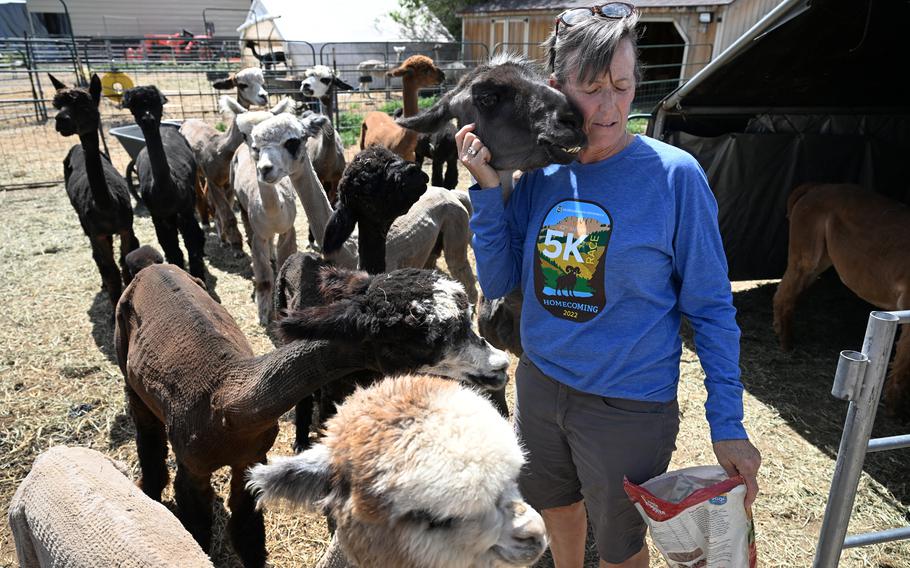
579	446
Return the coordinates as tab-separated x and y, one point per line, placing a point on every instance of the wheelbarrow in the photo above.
132	140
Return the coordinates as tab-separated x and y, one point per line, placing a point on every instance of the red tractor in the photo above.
181	46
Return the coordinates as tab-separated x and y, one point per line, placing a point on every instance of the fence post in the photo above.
851	454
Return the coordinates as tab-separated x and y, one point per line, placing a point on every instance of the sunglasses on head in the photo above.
573	16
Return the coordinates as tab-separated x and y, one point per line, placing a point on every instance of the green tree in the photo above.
415	16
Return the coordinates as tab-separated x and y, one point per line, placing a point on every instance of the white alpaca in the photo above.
77	508
416	472
266	199
213	151
326	150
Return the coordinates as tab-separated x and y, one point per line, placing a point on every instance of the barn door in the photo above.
509	35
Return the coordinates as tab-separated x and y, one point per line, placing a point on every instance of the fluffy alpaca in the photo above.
213	151
415	472
76	507
321	82
266	196
167	179
441	149
146	255
378	128
95	188
865	236
192	379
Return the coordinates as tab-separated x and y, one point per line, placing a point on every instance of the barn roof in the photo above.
494	6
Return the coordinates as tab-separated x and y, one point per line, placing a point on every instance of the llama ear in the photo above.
56	82
430	120
338	229
225	84
341	85
94	89
303	480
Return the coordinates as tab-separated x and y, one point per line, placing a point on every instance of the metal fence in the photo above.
184	67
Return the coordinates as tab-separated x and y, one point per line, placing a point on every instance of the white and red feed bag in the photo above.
697	517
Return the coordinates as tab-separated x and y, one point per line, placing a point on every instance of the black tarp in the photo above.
819	97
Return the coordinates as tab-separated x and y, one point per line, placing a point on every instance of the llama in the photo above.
524	122
76	507
441	149
378	128
192	379
146	255
95	188
213	150
267	60
865	236
415	472
167	178
266	198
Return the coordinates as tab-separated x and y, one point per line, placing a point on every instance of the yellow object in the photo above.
113	85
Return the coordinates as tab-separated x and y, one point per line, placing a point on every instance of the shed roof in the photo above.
494	6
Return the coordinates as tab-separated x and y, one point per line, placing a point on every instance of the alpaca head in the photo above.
278	144
377	187
406	320
247	119
146	104
319	80
416	472
524	122
77	108
420	71
250	87
139	258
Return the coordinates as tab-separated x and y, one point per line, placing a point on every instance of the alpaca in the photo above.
268	60
167	177
322	82
76	507
415	472
95	188
146	255
266	198
213	151
378	128
326	150
192	379
865	236
441	149
525	123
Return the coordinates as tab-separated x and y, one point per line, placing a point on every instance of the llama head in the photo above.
524	122
420	71
415	471
278	144
406	320
319	80
250	87
377	187
77	108
146	104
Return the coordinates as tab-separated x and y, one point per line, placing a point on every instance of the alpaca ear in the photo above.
430	120
286	104
313	124
338	229
94	89
400	72
163	98
56	82
303	480
228	104
125	99
343	320
341	85
225	84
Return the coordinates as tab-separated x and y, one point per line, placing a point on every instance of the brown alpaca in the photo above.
866	237
380	129
192	379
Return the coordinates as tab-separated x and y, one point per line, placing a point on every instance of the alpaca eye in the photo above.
292	145
242	85
325	80
486	100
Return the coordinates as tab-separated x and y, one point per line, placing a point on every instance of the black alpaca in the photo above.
441	149
268	60
167	179
96	189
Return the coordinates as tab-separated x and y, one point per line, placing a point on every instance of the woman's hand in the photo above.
476	157
740	457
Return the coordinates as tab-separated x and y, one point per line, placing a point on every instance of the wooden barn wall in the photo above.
738	17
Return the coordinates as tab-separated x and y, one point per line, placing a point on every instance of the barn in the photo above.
679	36
810	93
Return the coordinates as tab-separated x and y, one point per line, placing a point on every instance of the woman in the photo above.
610	251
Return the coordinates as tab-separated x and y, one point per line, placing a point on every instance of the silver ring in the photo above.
472	152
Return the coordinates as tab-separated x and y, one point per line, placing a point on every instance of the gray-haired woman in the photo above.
610	252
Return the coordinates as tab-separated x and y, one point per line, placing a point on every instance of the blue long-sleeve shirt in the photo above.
609	255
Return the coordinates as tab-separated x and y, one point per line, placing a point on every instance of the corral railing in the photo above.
859	378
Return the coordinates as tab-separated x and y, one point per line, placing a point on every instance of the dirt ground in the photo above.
59	384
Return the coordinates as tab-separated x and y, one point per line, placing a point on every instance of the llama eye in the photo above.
292	145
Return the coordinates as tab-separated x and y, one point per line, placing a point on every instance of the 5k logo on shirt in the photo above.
569	265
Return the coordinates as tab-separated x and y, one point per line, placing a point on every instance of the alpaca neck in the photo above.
317	207
371	245
94	169
161	171
228	142
327	107
263	388
268	194
409	92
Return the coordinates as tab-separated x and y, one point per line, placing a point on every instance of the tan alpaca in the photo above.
76	507
416	472
416	72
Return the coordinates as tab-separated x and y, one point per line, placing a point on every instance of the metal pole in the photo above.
851	454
